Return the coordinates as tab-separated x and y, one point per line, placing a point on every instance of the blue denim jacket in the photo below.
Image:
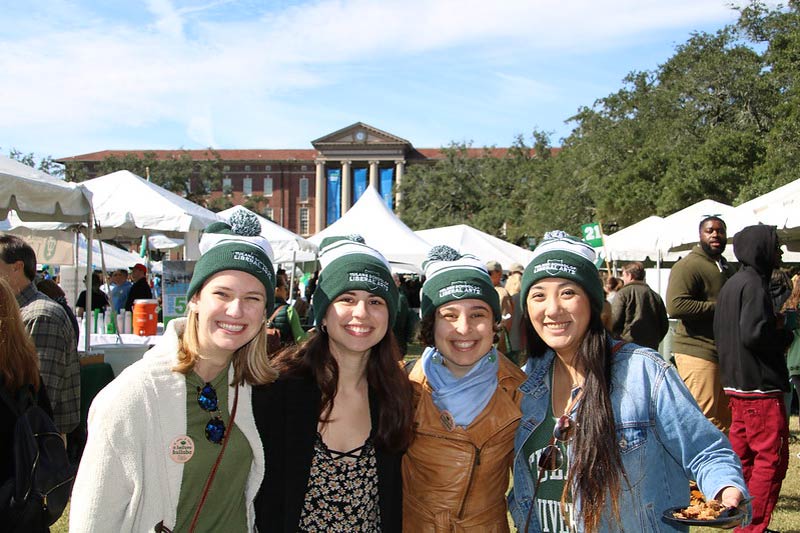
663	438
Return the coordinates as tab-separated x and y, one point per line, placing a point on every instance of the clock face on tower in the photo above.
360	135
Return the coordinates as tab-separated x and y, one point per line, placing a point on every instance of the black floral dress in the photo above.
342	494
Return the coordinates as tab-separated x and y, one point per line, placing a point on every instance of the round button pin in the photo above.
181	449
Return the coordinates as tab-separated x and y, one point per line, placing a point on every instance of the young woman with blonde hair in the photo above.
172	440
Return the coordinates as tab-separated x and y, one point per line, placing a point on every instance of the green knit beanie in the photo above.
235	246
451	276
562	256
348	264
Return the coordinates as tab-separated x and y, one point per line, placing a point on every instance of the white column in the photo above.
347	186
373	175
399	168
320	200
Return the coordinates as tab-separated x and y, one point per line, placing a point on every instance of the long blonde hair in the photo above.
794	299
250	362
19	362
514	283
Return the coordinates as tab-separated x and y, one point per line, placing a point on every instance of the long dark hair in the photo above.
595	462
386	380
19	363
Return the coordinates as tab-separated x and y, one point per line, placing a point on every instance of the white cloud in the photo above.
168	20
84	71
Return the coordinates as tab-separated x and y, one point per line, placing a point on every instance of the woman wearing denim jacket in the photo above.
610	436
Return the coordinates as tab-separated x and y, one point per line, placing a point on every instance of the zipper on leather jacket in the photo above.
476	461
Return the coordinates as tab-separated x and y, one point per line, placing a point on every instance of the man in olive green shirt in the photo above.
694	283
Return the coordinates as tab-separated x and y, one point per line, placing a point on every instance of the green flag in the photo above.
592	235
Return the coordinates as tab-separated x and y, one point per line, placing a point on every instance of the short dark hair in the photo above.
635	270
50	288
97	279
13	249
709	219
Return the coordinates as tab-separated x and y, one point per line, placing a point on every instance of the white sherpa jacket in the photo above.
126	480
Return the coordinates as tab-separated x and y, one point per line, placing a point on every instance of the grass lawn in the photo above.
786	517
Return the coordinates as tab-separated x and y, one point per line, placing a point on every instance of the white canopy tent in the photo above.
58	247
288	247
637	242
159	241
381	229
780	208
785	197
37	196
680	230
126	205
485	247
114	258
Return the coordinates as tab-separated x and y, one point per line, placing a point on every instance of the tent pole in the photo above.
291	277
658	269
76	261
87	337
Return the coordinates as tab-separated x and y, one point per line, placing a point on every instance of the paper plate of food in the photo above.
709	513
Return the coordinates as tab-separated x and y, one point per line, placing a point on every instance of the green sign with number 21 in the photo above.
592	234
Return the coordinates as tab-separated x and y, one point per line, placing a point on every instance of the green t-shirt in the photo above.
225	508
548	495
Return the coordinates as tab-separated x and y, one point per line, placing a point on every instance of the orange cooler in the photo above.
145	317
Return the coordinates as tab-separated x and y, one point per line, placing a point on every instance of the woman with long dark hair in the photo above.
610	436
336	422
172	443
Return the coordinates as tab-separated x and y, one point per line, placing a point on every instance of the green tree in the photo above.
219	203
489	192
45	164
444	193
694	128
179	173
778	32
256	203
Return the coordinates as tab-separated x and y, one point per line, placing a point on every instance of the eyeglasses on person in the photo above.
552	457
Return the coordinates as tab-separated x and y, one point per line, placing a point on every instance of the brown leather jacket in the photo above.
456	481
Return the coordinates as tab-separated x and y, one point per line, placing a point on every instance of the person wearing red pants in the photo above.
751	341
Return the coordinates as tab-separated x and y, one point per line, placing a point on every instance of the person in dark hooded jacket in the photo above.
751	342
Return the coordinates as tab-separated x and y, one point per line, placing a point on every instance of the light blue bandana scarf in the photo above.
464	397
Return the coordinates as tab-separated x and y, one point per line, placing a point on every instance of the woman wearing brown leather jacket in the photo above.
456	472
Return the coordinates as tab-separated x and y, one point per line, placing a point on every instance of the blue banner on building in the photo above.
387	178
334	186
359	183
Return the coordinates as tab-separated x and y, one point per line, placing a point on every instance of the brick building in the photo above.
306	190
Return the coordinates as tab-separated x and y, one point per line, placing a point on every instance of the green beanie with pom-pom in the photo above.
348	264
452	276
236	245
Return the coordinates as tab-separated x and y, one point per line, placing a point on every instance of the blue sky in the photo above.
82	76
